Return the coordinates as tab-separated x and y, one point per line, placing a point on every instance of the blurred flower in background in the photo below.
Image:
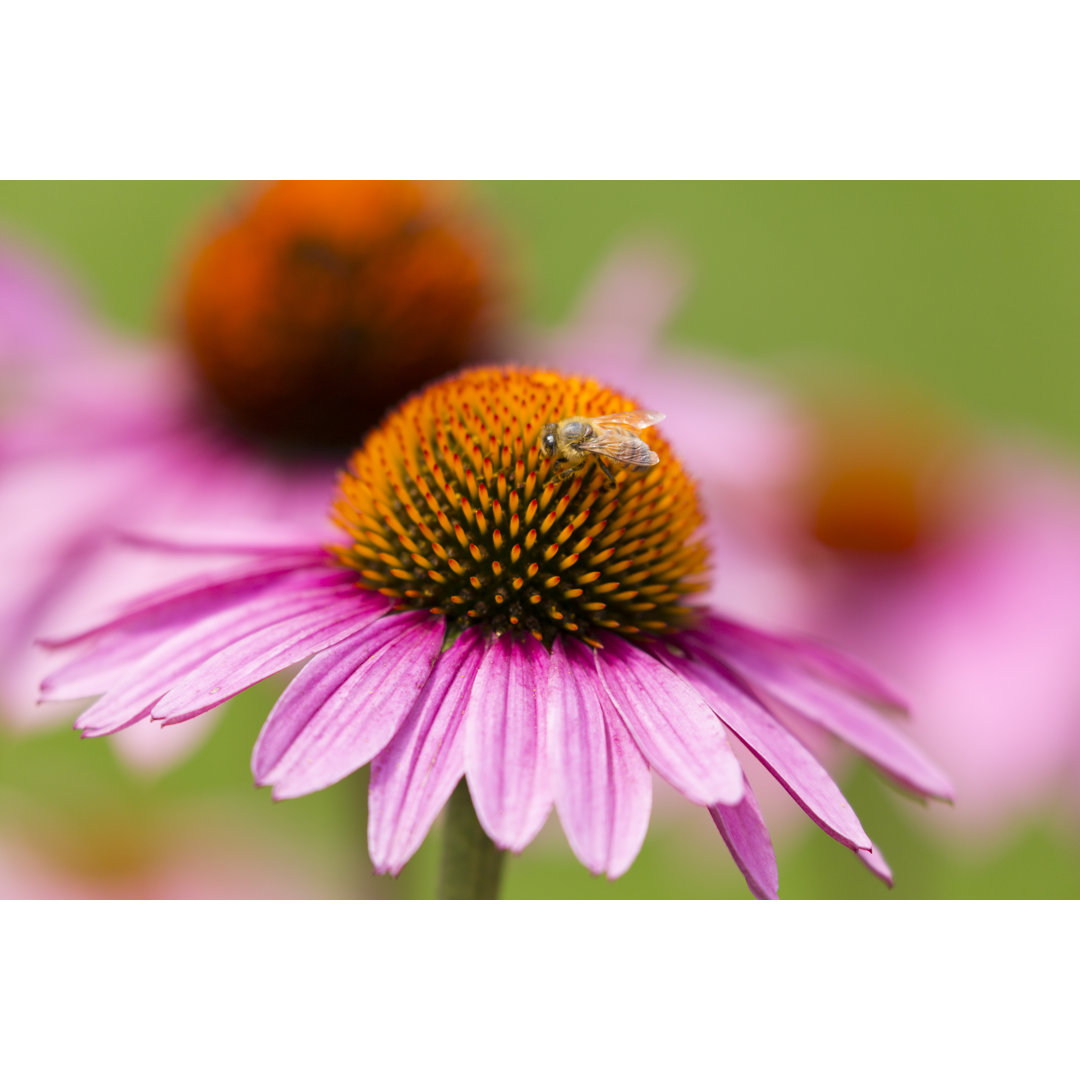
305	312
950	560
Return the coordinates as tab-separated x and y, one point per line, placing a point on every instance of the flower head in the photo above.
432	660
449	506
316	308
976	572
320	303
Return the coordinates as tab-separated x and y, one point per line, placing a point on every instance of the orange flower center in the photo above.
319	305
876	487
450	506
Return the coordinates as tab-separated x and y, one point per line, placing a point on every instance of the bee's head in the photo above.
547	440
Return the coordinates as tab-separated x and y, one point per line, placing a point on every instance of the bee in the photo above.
612	437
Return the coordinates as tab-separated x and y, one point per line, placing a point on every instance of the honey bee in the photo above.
572	441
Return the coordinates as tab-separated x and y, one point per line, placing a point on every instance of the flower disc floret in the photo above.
450	508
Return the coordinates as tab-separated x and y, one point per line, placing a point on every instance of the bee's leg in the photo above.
566	472
607	472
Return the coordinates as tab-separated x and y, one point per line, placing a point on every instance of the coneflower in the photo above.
482	619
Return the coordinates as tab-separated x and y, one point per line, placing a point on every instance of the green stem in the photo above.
471	863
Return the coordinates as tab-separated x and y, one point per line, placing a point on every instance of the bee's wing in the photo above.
639	418
619	446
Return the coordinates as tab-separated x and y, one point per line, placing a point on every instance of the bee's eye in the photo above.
547	444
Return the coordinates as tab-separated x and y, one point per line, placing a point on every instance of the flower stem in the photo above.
471	863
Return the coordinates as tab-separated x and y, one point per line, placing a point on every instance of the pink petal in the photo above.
250	540
830	663
188	600
268	651
602	787
506	741
877	864
346	705
117	645
43	327
623	311
772	744
850	718
163	666
678	733
416	773
744	831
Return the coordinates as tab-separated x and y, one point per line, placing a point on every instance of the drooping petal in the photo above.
772	744
150	678
267	652
603	791
506	741
747	837
417	771
675	729
346	705
857	723
830	663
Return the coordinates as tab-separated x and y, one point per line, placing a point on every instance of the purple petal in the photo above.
115	647
252	541
415	774
163	666
850	718
771	743
346	705
744	831
675	729
877	864
186	601
825	660
602	787
269	651
505	741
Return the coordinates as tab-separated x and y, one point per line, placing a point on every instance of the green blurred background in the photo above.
967	290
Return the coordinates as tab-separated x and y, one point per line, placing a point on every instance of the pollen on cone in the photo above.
317	305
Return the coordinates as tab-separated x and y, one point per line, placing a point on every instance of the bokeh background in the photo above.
966	291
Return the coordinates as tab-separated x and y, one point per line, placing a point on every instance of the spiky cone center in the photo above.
450	507
317	305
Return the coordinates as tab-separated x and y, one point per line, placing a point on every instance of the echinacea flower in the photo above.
483	617
335	297
952	561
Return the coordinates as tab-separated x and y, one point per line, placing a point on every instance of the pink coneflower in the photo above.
952	562
336	297
482	618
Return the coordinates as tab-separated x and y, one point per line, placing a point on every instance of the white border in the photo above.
580	89
539	989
